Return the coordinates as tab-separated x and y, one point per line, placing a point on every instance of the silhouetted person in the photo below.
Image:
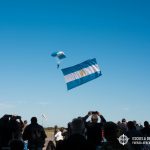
16	126
76	140
123	125
55	129
146	130
35	135
58	136
5	132
132	132
94	129
112	134
50	146
138	127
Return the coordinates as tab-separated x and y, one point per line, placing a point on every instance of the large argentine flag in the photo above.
81	73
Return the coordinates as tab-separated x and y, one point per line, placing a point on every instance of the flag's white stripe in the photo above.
81	73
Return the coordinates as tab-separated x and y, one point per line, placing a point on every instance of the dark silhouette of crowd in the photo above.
16	134
91	132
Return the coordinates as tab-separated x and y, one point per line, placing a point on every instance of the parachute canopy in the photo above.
59	55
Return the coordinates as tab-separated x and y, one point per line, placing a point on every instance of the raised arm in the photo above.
87	116
103	120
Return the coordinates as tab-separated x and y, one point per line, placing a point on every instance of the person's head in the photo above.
124	120
146	124
33	120
77	126
55	127
16	145
94	118
111	131
62	129
131	125
57	130
118	123
5	118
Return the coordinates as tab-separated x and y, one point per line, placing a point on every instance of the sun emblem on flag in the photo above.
82	73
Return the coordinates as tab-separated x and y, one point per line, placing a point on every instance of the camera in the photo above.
94	112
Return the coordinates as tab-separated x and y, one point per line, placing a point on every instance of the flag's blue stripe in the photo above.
82	80
80	66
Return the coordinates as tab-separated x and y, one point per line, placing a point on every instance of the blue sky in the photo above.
116	33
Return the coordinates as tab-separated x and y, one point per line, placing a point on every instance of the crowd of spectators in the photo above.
17	135
91	132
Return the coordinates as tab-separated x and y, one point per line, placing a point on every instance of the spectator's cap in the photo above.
123	120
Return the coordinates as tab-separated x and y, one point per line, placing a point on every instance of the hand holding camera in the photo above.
94	113
89	113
